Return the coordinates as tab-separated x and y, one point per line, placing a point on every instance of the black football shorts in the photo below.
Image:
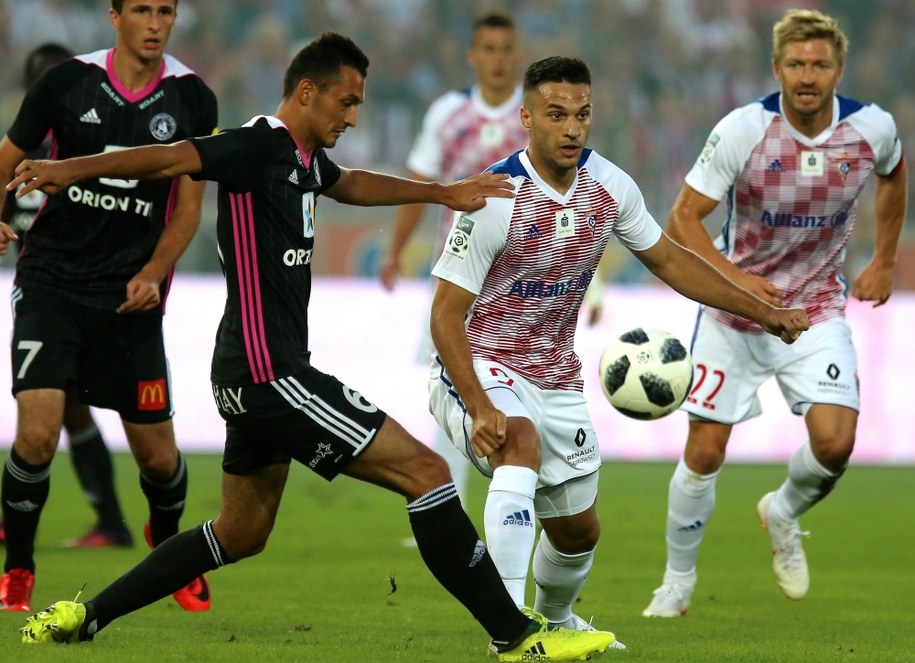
111	361
311	417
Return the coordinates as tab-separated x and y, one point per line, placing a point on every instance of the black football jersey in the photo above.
265	229
90	239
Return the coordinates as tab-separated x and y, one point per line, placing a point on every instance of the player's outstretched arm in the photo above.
148	162
367	189
875	282
694	277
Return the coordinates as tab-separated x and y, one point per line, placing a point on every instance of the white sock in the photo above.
808	482
690	504
559	578
458	464
508	519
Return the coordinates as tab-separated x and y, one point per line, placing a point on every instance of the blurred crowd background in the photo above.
664	72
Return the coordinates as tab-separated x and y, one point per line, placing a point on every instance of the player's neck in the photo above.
558	179
809	125
132	72
496	96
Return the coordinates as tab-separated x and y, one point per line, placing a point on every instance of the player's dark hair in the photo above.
320	61
118	5
556	69
494	19
41	58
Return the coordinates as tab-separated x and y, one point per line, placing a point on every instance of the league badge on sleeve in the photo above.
459	239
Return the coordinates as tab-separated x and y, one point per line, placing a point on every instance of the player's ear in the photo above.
306	91
525	119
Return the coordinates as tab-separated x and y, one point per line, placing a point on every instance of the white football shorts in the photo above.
570	452
729	366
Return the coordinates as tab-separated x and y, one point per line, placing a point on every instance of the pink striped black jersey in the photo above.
90	239
529	260
265	227
462	135
792	200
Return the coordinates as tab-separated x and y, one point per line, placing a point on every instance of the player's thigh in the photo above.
727	373
399	462
46	342
123	367
821	367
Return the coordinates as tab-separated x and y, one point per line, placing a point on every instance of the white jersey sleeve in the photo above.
727	149
473	243
427	154
879	129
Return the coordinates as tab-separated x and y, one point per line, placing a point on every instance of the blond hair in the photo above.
806	24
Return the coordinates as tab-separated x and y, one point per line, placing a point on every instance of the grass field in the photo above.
322	589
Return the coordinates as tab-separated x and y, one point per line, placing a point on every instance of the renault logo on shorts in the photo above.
833	371
151	394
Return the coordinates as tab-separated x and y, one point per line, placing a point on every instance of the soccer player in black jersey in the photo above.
88	453
276	404
93	272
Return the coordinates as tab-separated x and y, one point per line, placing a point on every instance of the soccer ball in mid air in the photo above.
646	373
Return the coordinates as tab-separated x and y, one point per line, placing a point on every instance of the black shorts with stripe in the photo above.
109	360
311	417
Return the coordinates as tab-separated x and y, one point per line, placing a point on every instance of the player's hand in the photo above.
390	270
7	235
874	284
470	194
488	432
761	288
48	176
142	294
787	323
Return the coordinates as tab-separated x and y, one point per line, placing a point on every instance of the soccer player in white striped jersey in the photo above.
791	166
506	383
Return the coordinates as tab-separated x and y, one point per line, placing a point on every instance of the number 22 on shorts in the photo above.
709	383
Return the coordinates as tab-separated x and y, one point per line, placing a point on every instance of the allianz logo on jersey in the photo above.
790	220
545	290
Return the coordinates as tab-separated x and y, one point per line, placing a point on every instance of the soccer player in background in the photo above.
88	453
506	383
93	273
791	166
276	404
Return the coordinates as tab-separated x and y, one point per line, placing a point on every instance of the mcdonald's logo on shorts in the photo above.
151	395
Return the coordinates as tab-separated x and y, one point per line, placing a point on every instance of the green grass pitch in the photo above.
322	591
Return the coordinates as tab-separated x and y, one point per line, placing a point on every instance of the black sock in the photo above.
24	492
92	463
452	550
166	503
169	567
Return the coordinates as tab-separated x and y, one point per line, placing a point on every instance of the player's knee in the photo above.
425	472
835	452
578	540
156	463
241	541
36	444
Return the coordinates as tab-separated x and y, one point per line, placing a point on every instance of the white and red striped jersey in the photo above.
791	200
462	136
529	260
